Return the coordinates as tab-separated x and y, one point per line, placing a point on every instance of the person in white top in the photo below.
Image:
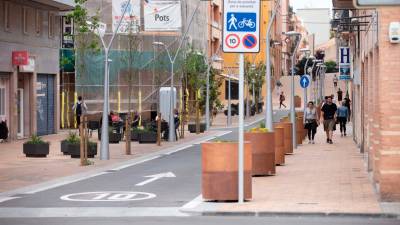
311	121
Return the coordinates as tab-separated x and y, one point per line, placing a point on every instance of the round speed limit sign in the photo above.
232	40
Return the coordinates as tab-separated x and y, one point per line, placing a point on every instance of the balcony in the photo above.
216	33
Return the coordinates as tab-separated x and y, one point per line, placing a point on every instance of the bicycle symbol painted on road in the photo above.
241	22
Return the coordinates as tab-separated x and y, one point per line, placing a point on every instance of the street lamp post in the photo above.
268	76
104	144
295	37
307	53
171	130
171	127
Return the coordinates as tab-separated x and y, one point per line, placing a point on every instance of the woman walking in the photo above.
342	115
311	122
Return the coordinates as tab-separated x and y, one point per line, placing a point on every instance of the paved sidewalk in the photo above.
320	178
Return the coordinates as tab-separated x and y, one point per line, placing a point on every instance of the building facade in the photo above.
374	89
320	26
29	96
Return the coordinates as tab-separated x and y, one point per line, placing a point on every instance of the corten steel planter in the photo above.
36	150
287	134
279	144
220	171
263	152
299	130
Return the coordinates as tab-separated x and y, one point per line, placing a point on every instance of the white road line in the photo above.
7	198
90	212
135	163
194	203
179	149
64	183
224	133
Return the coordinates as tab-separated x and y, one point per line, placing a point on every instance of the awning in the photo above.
343	4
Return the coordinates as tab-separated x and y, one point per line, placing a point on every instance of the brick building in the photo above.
374	89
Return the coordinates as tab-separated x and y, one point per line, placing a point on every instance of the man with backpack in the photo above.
281	100
79	108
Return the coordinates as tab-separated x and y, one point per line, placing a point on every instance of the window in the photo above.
2	101
7	16
25	20
51	22
38	22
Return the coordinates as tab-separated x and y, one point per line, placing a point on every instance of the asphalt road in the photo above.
203	220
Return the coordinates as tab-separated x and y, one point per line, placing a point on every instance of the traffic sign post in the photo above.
305	81
241	34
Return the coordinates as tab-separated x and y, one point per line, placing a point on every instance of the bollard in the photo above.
85	138
159	129
82	141
128	135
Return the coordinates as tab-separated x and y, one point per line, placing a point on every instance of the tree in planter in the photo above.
195	69
214	85
256	74
133	42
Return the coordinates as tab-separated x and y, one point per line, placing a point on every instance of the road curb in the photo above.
195	212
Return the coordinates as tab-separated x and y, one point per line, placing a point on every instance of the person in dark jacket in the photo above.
3	130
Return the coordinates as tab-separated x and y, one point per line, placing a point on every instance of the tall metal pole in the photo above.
171	136
104	151
229	102
268	76
305	100
292	108
104	145
241	129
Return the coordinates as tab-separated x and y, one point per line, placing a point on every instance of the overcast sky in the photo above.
299	4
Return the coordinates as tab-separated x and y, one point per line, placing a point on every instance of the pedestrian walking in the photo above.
311	121
342	115
340	96
328	115
281	100
80	109
335	81
347	102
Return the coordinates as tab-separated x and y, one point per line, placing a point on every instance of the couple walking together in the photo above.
330	115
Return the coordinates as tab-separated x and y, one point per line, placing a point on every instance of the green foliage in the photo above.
195	68
331	66
299	67
257	74
262	125
35	140
73	138
215	83
224	141
86	42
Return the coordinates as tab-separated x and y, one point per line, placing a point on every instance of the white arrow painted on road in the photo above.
155	177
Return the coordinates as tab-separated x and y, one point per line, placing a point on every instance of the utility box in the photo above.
165	101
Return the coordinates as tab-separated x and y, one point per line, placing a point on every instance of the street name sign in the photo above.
241	26
305	81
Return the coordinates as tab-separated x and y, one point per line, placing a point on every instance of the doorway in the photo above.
20	112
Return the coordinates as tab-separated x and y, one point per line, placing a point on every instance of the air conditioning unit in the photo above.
394	32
